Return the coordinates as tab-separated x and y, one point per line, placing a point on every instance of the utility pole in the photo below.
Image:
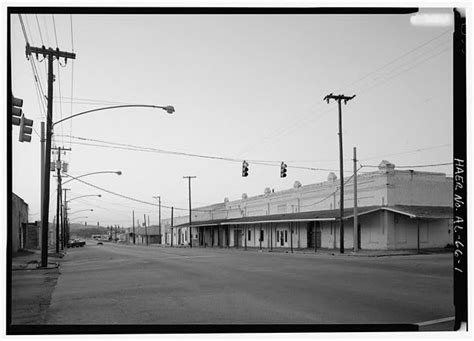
50	54
133	226
58	204
146	231
42	141
356	223
159	218
340	98
59	212
65	224
172	209
189	186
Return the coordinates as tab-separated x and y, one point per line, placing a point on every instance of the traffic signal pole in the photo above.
50	54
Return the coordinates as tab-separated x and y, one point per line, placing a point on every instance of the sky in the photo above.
245	87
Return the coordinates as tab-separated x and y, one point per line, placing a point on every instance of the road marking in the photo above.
427	323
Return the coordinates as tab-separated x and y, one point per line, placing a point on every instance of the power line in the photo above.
124	196
416	166
55	35
94	101
398	58
39	29
407	152
60	101
287	130
23	28
331	194
72	77
405	70
72	33
113	145
39	90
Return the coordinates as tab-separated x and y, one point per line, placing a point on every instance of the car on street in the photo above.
75	243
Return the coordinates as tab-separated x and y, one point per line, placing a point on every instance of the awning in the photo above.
420	212
423	212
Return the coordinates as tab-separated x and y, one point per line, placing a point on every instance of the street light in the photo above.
83	196
89	209
83	217
169	109
100	172
47	157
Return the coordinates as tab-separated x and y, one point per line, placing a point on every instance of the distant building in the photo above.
19	221
142	234
397	209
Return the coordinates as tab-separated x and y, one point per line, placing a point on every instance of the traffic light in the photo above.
245	168
26	128
283	170
17	103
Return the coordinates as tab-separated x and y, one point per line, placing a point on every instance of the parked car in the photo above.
75	243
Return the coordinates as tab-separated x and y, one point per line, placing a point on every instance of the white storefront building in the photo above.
397	209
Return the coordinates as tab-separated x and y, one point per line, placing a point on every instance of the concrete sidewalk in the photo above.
32	286
322	251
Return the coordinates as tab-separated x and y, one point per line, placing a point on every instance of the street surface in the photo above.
126	284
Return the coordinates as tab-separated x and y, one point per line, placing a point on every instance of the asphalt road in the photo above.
125	284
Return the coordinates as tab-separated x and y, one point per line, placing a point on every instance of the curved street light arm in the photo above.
91	209
83	217
80	176
169	109
83	196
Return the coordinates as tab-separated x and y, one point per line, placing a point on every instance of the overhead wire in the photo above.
398	58
297	123
407	152
38	86
416	166
41	37
123	146
72	78
333	193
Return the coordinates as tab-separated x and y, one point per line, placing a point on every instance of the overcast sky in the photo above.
245	87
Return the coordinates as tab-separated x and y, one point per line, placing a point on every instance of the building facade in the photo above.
19	221
397	209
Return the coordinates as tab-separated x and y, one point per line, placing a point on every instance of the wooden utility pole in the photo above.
133	226
59	211
356	222
159	217
50	54
340	98
65	231
190	220
146	231
172	208
58	203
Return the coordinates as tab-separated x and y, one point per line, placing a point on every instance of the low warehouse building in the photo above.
397	209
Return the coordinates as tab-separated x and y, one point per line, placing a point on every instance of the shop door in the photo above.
318	234
310	235
237	238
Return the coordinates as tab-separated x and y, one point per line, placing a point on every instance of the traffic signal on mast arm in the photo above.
26	128
245	168
283	170
17	103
